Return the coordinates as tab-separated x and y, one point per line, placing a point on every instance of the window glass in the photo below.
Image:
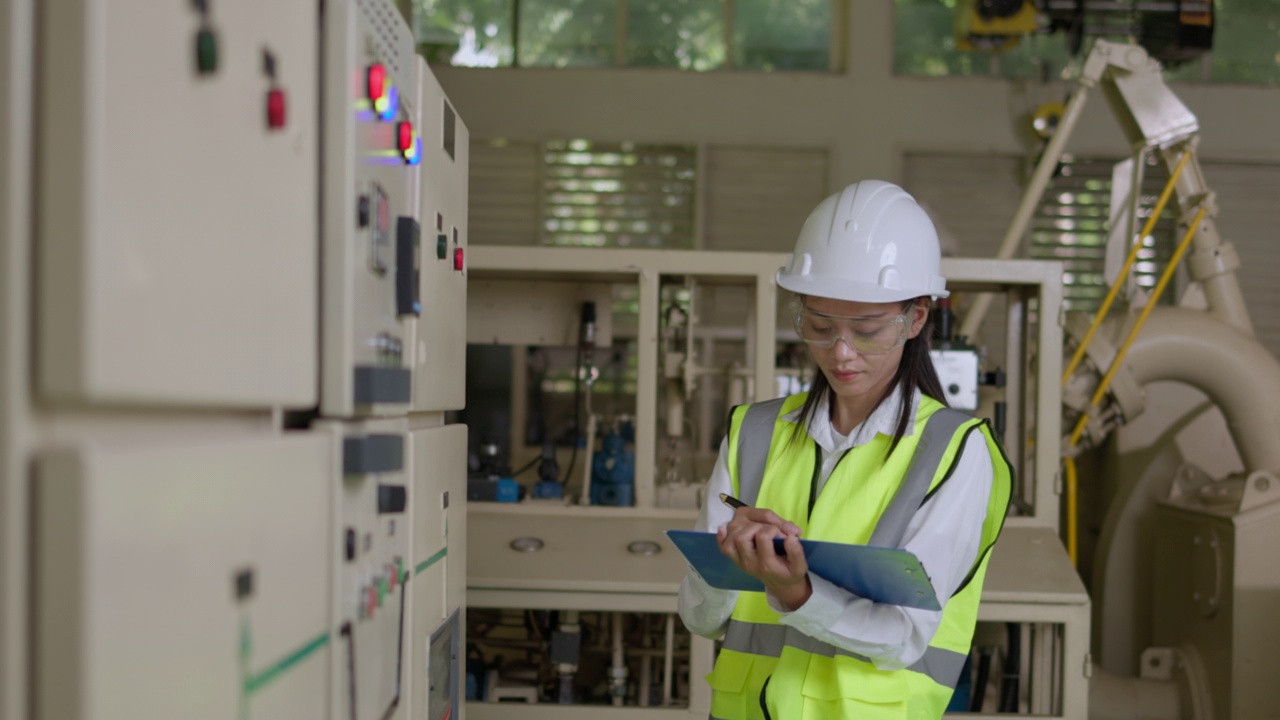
686	34
567	33
924	44
791	35
1246	42
466	33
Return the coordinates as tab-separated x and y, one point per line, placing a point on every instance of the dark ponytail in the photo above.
915	370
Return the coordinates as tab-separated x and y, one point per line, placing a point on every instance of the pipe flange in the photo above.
1260	488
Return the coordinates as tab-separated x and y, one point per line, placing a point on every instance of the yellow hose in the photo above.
1105	385
1124	271
1167	275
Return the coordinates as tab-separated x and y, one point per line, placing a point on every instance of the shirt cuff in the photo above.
711	597
819	612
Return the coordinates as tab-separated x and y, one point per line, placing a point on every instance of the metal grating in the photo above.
392	36
598	194
1070	225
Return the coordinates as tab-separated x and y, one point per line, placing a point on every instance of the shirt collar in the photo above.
882	421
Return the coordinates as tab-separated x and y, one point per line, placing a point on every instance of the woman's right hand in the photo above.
748	541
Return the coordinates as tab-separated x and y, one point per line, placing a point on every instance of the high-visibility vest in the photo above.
769	670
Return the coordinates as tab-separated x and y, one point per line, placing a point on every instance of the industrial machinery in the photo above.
1172	31
229	486
1191	620
571	600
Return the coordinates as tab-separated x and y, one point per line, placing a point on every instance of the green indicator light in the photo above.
442	246
206	51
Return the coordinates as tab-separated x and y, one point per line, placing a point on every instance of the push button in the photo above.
275	109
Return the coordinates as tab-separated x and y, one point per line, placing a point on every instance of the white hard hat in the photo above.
870	243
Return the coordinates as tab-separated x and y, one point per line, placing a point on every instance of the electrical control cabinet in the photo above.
372	562
438	589
958	372
176	202
183	581
439	333
371	235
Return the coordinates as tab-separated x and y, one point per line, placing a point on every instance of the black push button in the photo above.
391	499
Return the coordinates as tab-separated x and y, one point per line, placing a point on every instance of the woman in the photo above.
870	455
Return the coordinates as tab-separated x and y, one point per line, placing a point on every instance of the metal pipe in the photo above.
668	659
1030	199
1237	373
1114	697
617	672
646	664
1213	262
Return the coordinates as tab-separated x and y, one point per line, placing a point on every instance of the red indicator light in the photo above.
457	259
377	81
275	109
404	136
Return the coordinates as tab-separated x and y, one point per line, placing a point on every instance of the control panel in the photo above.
958	372
176	202
186	581
439	332
373	537
371	234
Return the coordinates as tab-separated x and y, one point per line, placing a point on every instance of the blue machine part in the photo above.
508	490
548	489
613	472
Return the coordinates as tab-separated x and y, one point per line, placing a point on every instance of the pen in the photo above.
731	501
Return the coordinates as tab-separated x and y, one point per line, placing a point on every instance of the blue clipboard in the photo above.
883	575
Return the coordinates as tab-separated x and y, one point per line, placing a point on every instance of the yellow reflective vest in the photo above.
769	670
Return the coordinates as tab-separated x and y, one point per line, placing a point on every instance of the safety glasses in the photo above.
866	335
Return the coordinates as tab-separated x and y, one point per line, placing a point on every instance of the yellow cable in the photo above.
1111	373
1071	509
1124	271
1142	319
1151	305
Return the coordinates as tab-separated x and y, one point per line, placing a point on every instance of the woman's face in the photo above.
851	373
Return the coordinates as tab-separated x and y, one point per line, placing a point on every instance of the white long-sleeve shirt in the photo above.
945	534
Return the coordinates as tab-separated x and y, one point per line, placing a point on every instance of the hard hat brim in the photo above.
843	289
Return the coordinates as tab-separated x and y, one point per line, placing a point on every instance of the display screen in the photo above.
442	662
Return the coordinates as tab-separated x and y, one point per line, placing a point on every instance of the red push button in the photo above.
275	109
376	81
457	259
404	136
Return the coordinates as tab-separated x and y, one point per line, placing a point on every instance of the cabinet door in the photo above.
184	582
176	206
438	588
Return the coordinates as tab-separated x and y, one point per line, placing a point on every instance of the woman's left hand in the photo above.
748	541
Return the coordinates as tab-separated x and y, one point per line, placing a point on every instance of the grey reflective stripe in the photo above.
755	638
766	639
934	440
754	438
